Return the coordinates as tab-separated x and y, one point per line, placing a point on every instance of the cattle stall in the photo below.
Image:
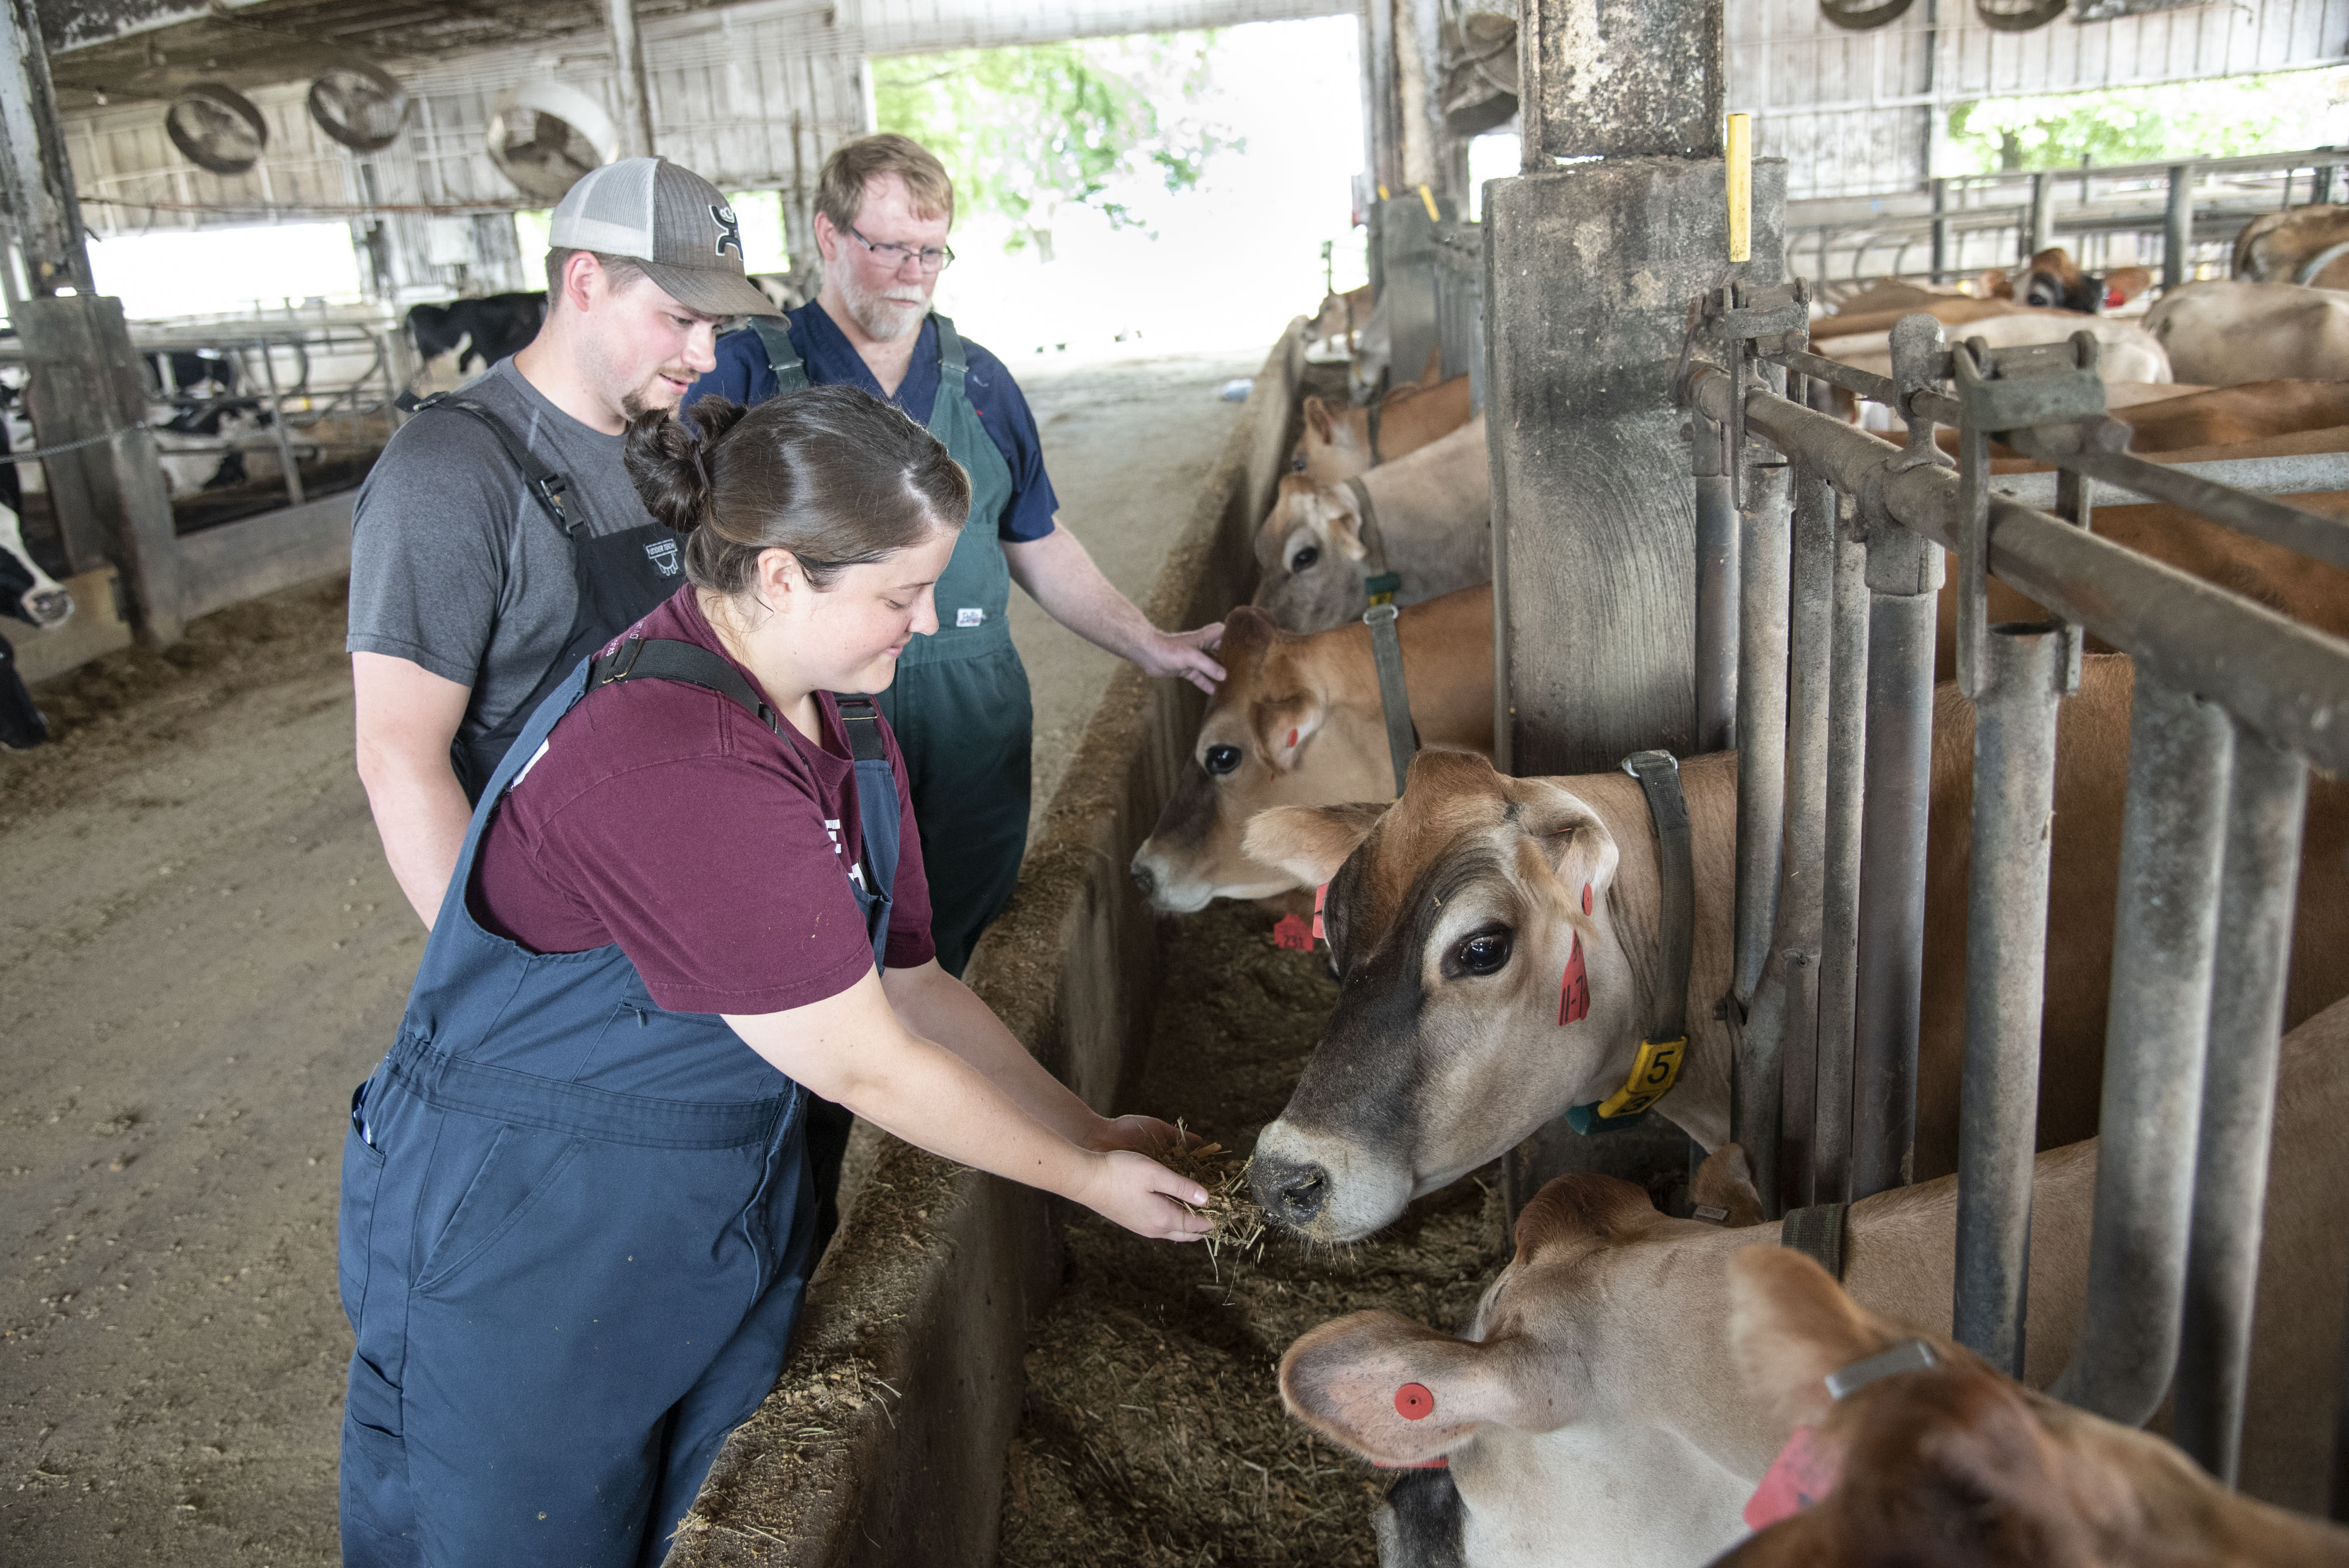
2180	218
229	452
1819	668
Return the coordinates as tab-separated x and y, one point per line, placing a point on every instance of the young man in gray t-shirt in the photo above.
474	590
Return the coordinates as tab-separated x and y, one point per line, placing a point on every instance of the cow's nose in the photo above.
1143	877
1292	1191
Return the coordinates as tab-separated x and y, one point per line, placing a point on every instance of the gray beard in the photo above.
883	319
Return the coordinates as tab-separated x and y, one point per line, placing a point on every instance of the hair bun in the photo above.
666	457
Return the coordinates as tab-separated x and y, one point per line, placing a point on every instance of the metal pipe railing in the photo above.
2286	681
2006	956
1791	1006
1716	593
2260	884
1762	553
1904	583
1847	718
2233	703
2165	938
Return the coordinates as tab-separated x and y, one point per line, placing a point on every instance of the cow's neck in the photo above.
1699	1101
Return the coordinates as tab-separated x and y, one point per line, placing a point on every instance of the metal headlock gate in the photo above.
1819	567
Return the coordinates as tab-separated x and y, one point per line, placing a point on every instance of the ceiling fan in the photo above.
216	128
360	105
543	136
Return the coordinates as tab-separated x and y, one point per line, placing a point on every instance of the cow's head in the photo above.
1330	448
1990	1472
1270	738
1310	556
2053	281
1590	1400
1456	918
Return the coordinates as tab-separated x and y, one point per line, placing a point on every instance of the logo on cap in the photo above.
729	230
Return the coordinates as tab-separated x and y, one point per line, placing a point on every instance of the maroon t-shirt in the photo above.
665	817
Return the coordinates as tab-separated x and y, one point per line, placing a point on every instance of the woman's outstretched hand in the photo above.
1142	1134
1140	1194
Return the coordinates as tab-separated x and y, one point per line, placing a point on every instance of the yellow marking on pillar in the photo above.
1427	200
1740	181
1383	193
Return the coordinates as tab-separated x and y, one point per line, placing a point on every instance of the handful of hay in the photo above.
1237	1218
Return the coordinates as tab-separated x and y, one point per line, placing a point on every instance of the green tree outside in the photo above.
2231	118
1027	131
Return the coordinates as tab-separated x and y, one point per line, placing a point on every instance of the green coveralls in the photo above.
960	704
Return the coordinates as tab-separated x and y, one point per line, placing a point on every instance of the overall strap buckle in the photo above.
860	721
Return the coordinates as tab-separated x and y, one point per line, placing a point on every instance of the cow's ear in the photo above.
1725	1181
1399	1392
1317	419
1569	838
2126	283
1285	727
1310	842
1994	285
1790	1325
1345	529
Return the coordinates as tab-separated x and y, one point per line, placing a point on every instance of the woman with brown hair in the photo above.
576	1222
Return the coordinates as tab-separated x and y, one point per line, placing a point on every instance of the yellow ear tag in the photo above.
1653	1072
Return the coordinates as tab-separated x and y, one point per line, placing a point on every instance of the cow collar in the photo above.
1657	1067
1382	584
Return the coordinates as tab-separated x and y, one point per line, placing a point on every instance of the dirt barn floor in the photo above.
201	951
1152	1433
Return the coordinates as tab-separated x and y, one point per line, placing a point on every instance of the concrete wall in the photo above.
884	1441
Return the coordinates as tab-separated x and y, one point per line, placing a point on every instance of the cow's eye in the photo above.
1223	759
1305	558
1484	952
1297	462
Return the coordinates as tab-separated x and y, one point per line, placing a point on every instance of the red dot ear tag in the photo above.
1292	740
1586	898
1414	1402
1574	990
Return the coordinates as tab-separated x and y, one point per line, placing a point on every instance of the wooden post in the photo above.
83	380
636	105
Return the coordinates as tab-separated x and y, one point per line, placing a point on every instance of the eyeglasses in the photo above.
932	258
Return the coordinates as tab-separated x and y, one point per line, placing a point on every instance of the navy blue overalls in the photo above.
575	1229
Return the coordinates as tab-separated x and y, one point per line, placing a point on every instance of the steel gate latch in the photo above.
2017	390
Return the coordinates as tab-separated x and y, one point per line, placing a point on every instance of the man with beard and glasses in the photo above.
499	538
960	705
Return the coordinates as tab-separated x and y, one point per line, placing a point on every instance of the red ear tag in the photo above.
1321	897
1290	933
1804	1472
1292	740
1574	991
1586	898
1414	1402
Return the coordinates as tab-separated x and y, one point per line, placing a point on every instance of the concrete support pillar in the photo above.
1407	257
636	105
35	179
84	384
1588	272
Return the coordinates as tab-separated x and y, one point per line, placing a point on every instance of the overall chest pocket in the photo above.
519	1168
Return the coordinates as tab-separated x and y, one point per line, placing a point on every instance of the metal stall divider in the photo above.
2234	703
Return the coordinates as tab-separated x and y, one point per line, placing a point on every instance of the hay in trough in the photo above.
1152	1432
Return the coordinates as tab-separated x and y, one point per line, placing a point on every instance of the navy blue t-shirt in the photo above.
743	374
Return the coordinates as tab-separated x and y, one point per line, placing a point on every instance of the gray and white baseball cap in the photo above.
671	220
